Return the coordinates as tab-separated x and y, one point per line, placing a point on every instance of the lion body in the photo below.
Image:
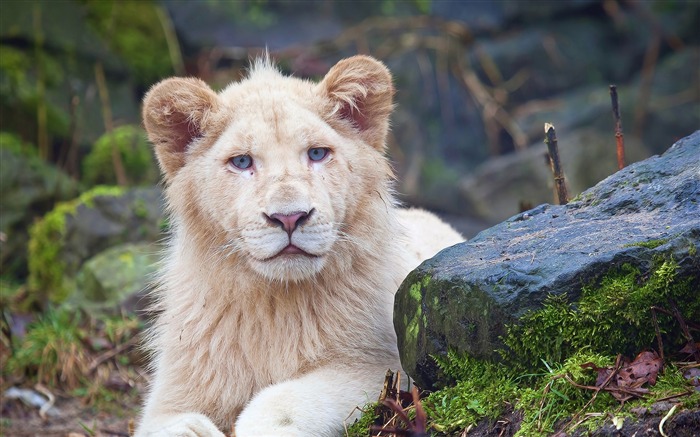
276	295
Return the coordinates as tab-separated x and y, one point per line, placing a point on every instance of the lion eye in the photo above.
318	153
241	162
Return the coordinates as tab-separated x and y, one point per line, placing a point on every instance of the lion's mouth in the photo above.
292	250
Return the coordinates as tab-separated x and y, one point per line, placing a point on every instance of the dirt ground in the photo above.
74	418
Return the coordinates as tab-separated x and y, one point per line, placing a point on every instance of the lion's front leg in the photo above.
165	415
316	404
179	425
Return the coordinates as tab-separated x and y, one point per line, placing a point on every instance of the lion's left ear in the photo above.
361	93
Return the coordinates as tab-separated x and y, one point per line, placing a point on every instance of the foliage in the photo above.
52	352
482	390
363	423
46	265
552	399
60	347
136	157
133	30
668	385
20	97
13	143
610	317
651	244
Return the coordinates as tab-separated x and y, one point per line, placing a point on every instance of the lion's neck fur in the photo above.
218	310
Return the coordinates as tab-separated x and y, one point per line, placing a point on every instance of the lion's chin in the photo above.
290	264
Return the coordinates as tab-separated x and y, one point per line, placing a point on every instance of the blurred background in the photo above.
81	212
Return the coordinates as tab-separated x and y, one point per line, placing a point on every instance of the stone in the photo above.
496	189
75	231
116	279
30	187
585	129
464	297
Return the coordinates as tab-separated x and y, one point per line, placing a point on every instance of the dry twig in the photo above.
552	146
619	137
112	353
119	171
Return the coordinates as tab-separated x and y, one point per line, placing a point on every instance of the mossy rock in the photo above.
135	153
113	279
30	187
635	236
504	326
81	228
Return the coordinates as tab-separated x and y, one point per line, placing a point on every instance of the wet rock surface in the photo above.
463	297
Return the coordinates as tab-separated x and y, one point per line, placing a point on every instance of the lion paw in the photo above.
182	425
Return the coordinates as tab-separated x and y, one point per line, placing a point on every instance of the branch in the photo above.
559	182
619	137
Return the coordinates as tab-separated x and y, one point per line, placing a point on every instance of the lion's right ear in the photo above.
361	92
176	112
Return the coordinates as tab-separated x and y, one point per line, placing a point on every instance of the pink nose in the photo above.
289	222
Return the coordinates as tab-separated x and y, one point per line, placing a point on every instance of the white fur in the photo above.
278	345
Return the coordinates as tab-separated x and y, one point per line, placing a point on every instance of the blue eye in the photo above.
317	154
241	162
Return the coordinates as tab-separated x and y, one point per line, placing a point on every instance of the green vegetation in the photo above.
60	347
134	31
548	398
52	351
46	262
543	355
651	244
135	153
610	317
361	425
472	397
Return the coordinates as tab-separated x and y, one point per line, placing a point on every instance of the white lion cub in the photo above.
275	300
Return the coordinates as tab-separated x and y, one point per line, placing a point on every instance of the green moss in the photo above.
360	427
549	399
136	157
46	237
651	244
133	30
610	317
549	345
481	391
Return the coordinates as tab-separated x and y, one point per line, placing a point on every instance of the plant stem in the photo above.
109	126
559	182
619	137
42	133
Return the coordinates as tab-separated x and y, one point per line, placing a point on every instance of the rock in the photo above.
30	187
465	296
672	112
116	279
497	188
585	129
77	230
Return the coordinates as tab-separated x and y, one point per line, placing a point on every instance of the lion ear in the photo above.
175	113
361	93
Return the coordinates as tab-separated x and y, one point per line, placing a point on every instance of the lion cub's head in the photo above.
274	171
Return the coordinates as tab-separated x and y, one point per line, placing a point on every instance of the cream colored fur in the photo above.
277	344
